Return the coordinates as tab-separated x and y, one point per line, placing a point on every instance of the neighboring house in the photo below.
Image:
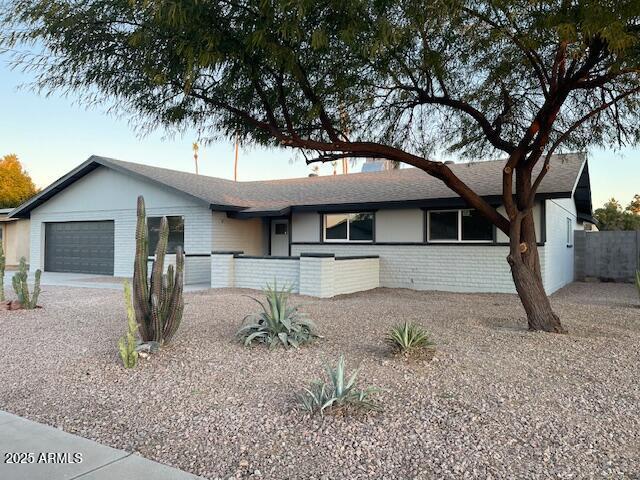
406	228
14	236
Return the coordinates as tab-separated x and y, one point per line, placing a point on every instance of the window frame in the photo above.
459	224
348	239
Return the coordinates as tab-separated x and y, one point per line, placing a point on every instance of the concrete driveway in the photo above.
83	280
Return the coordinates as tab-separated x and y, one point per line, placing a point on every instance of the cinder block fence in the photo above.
607	255
316	274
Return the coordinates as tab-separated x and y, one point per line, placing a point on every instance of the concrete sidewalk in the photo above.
51	454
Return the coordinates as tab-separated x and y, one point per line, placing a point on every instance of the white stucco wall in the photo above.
400	225
305	227
105	194
559	258
537	217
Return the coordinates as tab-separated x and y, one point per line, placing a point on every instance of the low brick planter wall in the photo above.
318	275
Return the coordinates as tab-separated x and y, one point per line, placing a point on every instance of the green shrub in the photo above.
127	344
638	281
21	286
336	392
278	323
408	337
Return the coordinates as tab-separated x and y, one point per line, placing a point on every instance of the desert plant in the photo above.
408	337
2	267
158	302
278	323
21	286
336	392
127	344
638	281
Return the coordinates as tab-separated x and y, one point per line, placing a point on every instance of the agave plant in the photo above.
408	337
338	392
277	323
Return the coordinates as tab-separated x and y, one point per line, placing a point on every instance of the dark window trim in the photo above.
414	244
349	242
493	241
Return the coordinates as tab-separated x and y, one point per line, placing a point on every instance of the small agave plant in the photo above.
277	323
337	393
408	338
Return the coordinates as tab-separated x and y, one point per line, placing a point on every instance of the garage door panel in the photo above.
79	247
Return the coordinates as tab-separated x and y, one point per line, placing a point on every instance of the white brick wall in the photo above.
356	275
317	276
463	268
222	270
257	272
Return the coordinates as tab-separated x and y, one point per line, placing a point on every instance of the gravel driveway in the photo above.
496	402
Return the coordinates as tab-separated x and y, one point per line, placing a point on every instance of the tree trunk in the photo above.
525	270
540	315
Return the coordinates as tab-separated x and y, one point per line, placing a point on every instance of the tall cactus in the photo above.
2	266
158	302
127	344
21	286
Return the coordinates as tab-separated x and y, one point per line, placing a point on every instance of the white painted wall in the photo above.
356	275
305	227
258	272
559	258
537	218
400	225
105	194
232	234
464	268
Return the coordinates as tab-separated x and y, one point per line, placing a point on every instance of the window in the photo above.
348	227
281	228
176	233
569	233
443	226
458	226
475	227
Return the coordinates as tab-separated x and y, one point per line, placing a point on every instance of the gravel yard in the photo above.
496	402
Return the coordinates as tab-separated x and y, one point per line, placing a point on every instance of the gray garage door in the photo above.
79	247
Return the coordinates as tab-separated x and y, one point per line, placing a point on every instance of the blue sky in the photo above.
53	135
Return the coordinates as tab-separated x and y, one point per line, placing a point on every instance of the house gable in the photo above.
107	189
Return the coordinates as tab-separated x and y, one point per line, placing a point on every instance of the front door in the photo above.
280	238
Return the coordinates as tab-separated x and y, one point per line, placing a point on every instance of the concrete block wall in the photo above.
455	268
258	272
222	270
197	270
355	275
318	275
607	255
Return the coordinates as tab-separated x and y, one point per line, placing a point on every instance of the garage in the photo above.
79	247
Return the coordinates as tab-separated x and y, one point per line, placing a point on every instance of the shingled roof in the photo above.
403	187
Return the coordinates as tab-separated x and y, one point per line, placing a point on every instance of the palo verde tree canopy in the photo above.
395	79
